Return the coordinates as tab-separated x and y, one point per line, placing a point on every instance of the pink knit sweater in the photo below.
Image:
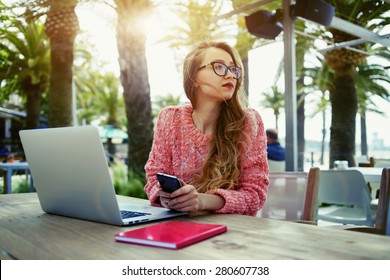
179	148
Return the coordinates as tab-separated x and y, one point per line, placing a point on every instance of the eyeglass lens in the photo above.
221	69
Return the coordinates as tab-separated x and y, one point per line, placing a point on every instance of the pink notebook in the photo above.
171	235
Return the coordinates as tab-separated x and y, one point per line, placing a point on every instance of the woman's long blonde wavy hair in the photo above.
221	168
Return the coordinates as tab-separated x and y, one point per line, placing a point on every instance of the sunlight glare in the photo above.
99	23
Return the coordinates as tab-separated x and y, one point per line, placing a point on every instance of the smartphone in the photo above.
169	183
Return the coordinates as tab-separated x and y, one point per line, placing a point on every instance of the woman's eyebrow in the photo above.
223	61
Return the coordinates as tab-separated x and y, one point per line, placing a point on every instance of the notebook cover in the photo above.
171	235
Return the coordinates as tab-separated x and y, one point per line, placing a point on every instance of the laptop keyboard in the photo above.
131	214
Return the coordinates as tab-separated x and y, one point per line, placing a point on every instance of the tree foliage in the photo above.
24	66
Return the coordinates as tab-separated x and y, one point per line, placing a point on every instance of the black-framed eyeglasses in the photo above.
221	69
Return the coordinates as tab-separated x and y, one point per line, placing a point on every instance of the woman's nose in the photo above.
229	74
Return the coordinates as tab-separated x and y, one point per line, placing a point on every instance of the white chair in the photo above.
276	166
382	222
348	195
292	196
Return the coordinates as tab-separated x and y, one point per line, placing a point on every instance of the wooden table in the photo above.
8	168
28	233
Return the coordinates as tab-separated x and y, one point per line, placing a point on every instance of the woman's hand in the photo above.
187	199
165	198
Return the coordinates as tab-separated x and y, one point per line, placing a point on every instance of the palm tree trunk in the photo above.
61	27
344	108
303	44
301	133
60	93
135	82
33	107
363	133
323	137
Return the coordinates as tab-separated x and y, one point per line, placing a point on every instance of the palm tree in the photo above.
321	81
134	78
370	81
26	65
343	61
61	26
86	71
98	96
274	99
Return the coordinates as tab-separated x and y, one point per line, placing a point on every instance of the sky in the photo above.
165	77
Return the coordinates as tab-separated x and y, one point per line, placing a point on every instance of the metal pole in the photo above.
290	98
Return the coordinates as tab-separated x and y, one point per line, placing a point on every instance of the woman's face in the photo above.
209	85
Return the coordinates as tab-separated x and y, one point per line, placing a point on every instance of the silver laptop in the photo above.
72	178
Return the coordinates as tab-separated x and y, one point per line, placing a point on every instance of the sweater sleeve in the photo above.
251	193
160	156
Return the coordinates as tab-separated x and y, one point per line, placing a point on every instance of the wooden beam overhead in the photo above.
359	31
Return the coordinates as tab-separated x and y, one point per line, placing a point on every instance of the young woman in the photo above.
215	146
